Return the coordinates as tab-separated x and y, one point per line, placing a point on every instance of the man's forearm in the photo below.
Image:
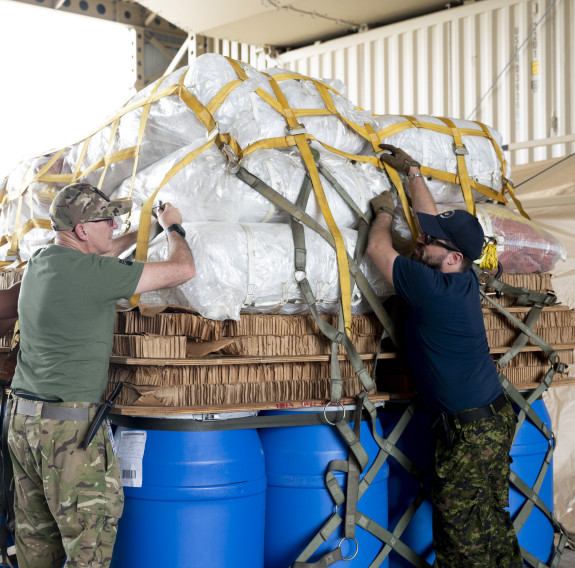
380	245
120	244
421	199
178	249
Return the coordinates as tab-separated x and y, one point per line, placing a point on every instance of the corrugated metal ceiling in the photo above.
288	23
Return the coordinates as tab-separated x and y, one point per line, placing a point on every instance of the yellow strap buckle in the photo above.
297	129
460	149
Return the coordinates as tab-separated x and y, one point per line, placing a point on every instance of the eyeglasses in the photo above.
109	220
432	240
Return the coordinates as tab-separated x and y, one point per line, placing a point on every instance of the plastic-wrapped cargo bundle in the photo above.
522	246
24	211
250	268
304	92
430	141
205	190
170	120
168	125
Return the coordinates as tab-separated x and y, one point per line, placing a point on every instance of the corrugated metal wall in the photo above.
508	63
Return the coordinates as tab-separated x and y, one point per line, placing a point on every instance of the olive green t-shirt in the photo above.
66	314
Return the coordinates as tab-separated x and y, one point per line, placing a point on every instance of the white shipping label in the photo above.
131	448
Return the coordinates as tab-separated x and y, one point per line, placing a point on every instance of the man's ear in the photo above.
80	231
455	257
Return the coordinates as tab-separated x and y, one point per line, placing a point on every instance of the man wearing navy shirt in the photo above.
455	377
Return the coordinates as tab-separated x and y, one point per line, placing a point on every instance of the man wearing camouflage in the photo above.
69	499
454	375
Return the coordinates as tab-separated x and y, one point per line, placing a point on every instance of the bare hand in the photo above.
168	215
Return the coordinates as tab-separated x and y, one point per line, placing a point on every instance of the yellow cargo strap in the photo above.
396	181
111	139
412	122
462	177
456	179
460	153
323	90
20	231
76	173
142	128
507	185
146	215
304	148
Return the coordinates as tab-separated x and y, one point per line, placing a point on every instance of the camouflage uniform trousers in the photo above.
471	528
67	500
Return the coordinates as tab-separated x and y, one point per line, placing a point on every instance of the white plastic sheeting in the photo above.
435	150
249	268
165	139
206	190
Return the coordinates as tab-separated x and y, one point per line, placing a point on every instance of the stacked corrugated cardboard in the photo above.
258	359
277	359
175	358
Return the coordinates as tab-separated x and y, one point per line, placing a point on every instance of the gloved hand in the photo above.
383	202
398	159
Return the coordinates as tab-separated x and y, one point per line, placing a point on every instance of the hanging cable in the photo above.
288	7
511	60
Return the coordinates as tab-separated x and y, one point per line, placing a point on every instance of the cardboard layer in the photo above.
240	393
165	375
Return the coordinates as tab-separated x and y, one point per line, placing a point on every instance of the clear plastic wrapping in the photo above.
436	150
205	190
249	268
523	247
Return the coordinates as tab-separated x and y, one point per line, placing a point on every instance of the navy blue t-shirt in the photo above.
446	341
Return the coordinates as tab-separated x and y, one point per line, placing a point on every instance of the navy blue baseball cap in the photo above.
459	227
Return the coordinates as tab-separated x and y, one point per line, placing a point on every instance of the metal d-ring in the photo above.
356	549
325	412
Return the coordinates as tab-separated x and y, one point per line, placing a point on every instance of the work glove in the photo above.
397	159
383	202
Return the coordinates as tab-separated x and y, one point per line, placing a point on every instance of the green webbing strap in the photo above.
300	263
327	329
212	425
522	340
391	542
322	536
335	383
525	297
279	200
353	472
366	217
538	300
370	526
527	334
387	447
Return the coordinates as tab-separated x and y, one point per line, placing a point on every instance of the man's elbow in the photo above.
375	249
370	248
186	271
189	272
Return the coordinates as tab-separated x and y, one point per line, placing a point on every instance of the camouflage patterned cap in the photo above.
82	202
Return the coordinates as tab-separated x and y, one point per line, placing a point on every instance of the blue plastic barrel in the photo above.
201	503
528	453
417	442
298	502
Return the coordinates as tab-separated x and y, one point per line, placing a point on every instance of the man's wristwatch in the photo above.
178	228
